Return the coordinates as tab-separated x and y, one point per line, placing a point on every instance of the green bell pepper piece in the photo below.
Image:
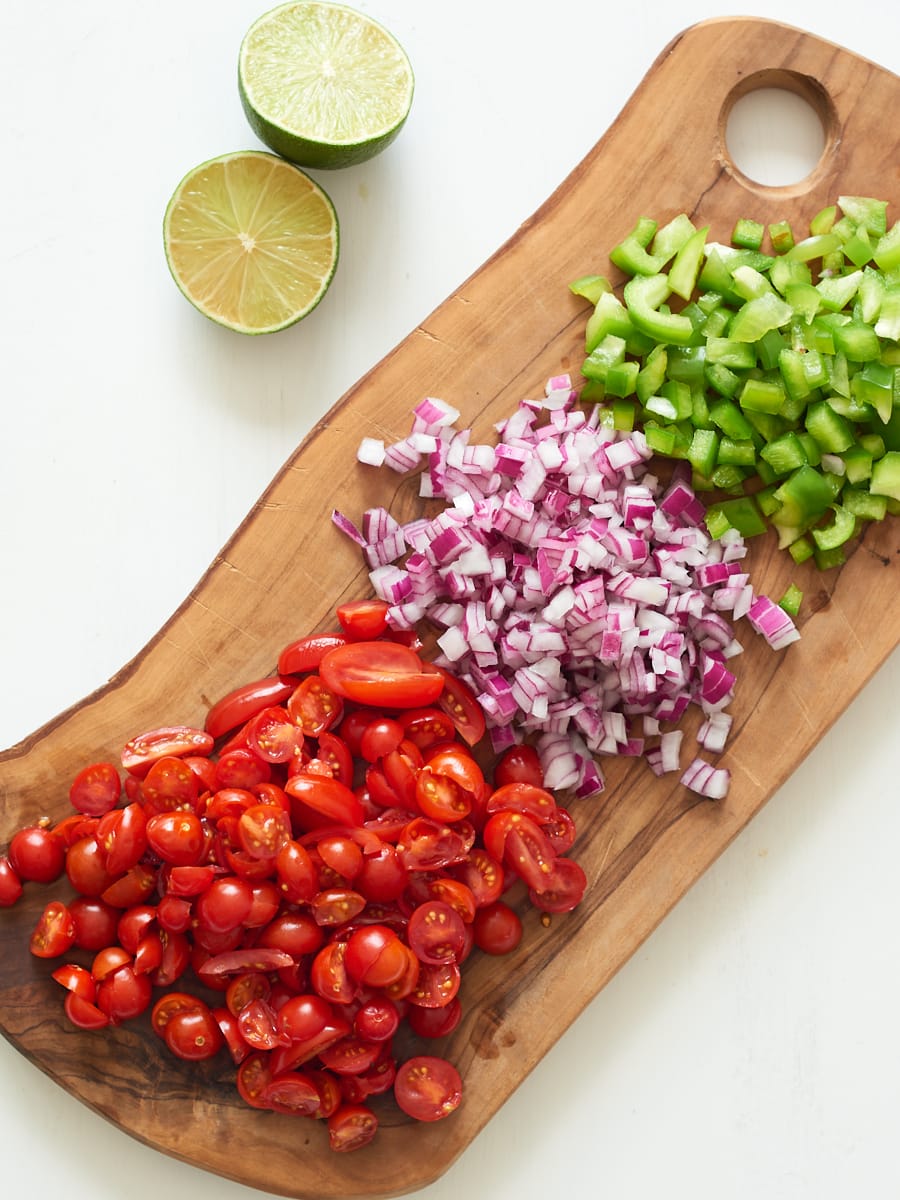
643	296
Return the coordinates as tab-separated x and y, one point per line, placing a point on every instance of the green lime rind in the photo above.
323	85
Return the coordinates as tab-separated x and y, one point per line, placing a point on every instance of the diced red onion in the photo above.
582	601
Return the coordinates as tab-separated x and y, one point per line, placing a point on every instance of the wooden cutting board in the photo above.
493	342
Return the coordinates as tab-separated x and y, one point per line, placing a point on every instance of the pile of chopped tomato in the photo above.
302	877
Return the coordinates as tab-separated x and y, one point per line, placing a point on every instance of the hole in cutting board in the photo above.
775	136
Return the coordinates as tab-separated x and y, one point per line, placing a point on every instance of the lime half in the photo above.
323	85
251	241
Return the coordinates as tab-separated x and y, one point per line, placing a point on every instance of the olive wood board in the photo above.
646	840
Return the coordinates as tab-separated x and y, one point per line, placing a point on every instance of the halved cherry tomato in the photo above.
122	835
522	797
83	1013
169	784
245	702
320	796
306	653
435	1022
436	933
194	1034
428	1088
381	674
441	797
351	1126
334	751
96	789
314	706
274	735
427	727
292	1093
519	764
562	890
10	883
96	922
77	979
363	620
375	955
460	704
142	751
264	830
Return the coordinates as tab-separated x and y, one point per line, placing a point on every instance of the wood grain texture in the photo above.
493	342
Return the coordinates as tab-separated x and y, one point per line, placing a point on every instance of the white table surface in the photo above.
750	1048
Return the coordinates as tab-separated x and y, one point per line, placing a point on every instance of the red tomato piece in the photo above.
436	985
177	740
320	796
350	1056
440	797
244	702
35	853
83	1013
436	933
428	1088
363	620
122	835
497	928
427	845
170	784
177	837
562	890
435	1022
375	956
350	1127
264	830
96	789
241	768
124	995
77	979
274	736
306	653
427	727
523	797
380	674
519	764
460	704
380	737
96	922
314	706
194	1034
10	883
292	1093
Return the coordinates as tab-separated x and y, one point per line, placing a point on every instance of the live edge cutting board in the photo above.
489	345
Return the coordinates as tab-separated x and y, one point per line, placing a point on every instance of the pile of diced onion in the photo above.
583	602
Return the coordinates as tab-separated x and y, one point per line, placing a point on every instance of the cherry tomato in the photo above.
273	736
382	876
54	933
177	837
381	674
295	872
241	768
460	704
428	1088
122	835
329	976
350	1056
169	1005
142	751
427	727
296	933
436	933
435	1022
243	703
264	830
189	879
292	1093
78	979
193	1034
10	883
336	906
169	784
96	789
319	797
253	1076
86	867
519	842
497	928
428	845
108	960
334	751
350	1127
224	905
96	922
306	653
34	853
134	924
519	764
441	797
83	1013
436	984
123	994
380	737
375	955
363	620
134	887
377	1020
525	798
562	890
314	706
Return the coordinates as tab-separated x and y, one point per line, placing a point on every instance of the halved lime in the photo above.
323	85
251	241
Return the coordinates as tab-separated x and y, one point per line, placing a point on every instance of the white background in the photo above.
751	1047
